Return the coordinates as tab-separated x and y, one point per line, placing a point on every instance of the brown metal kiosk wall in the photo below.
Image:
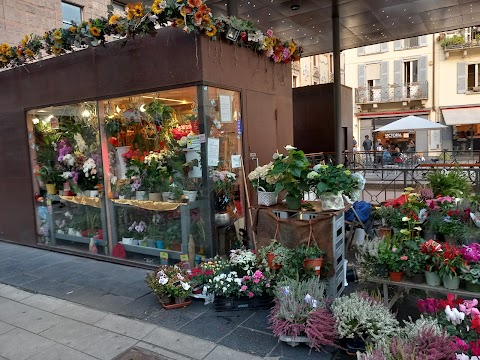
313	116
171	59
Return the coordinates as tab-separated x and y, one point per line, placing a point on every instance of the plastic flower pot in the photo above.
127	241
51	189
155	196
315	264
354	345
432	278
100	234
385	231
451	282
293	203
472	287
84	233
176	247
271	265
395	275
452	240
160	244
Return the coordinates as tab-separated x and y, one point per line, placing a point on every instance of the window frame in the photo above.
65	23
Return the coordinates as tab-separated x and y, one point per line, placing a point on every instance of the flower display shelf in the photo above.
295	341
222	303
80	239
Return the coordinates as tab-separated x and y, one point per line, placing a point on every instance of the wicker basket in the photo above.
266	198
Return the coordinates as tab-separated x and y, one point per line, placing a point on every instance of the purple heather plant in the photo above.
321	329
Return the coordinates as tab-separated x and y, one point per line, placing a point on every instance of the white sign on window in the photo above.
225	108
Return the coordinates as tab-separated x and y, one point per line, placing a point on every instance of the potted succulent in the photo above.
471	275
313	258
292	175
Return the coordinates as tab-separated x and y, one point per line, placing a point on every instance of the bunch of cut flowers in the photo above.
460	319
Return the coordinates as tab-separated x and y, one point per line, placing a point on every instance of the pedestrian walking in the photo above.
367	147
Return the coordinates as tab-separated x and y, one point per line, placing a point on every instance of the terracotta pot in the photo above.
384	231
315	264
177	247
100	234
85	233
271	265
395	275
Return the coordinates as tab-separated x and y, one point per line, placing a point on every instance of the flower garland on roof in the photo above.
190	15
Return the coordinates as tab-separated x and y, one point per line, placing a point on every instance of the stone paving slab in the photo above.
61	352
128	327
111	346
19	344
80	313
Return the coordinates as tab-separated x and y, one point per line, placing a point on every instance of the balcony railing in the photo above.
391	93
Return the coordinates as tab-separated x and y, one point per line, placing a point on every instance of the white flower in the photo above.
185	286
276	155
312	175
238	281
183	141
224	289
405	218
453	315
113	180
162	280
68	159
67	175
81	145
308	299
314	303
290	147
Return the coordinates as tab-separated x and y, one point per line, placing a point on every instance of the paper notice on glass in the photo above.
213	150
225	108
236	161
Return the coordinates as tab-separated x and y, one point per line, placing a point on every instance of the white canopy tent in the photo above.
411	123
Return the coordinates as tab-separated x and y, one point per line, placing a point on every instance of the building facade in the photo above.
314	70
21	17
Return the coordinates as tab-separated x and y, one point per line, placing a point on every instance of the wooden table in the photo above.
405	286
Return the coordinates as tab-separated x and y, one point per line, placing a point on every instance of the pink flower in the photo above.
267	285
404	257
258	274
256	280
250	294
461	345
469	307
243	288
394	249
246	278
270	32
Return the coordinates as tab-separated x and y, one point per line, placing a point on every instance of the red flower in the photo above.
476	325
113	141
450	301
475	347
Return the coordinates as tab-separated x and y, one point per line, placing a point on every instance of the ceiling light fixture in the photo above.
295	7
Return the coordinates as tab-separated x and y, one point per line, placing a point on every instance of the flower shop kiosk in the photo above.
126	142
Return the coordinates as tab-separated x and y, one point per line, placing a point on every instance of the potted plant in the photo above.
367	259
360	318
264	183
124	190
275	254
50	178
313	258
450	263
301	314
171	285
390	253
453	183
159	111
471	275
292	175
432	252
223	182
155	173
191	187
415	263
135	232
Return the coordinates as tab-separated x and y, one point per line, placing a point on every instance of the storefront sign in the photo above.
194	141
394	135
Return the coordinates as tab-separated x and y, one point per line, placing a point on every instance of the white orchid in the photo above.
290	147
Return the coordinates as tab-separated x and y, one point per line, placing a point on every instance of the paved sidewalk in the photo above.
40	327
110	308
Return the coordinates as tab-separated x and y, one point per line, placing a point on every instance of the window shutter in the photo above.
397	45
361	75
422	69
461	78
384	80
361	51
398	79
422	40
384	47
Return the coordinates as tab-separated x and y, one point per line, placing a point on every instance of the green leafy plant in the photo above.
471	274
415	263
311	252
390	253
281	253
169	281
449	183
158	110
48	175
293	171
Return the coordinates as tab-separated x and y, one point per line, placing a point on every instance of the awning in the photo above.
462	116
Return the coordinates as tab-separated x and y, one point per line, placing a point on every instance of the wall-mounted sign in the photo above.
395	135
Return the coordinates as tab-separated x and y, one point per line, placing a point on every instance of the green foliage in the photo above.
453	183
49	175
391	215
390	253
415	264
311	252
293	170
159	111
452	40
471	275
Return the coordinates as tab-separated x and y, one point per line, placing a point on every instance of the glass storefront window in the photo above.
67	164
133	177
